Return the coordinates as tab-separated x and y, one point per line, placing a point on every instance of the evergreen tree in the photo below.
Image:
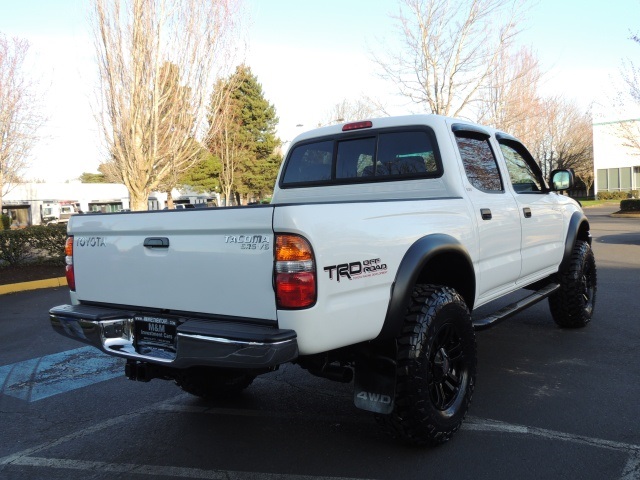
88	177
245	141
203	176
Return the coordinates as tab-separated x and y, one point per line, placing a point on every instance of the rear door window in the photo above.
479	162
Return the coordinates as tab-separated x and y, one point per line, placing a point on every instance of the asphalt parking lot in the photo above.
549	403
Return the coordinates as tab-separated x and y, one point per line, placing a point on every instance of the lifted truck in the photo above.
382	237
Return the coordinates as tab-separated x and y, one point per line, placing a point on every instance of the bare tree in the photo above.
230	146
157	62
20	114
352	110
510	101
449	50
629	130
564	137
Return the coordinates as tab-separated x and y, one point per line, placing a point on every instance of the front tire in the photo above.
436	368
572	305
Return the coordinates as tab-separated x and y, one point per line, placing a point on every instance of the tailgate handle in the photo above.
156	242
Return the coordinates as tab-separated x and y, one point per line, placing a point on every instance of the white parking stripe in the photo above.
482	425
119	468
160	470
27	457
632	468
87	431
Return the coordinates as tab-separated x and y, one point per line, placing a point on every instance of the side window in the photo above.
355	158
310	163
523	178
479	162
405	153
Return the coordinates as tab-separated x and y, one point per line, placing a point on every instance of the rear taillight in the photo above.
295	272
70	274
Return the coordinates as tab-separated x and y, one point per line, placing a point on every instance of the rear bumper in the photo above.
198	342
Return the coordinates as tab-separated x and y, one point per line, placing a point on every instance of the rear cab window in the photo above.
366	156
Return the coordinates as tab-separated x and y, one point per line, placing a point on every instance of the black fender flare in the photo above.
577	220
417	256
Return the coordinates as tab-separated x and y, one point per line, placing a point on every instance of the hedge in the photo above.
5	222
632	205
617	195
32	244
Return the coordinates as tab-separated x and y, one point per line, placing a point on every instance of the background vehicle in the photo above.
58	212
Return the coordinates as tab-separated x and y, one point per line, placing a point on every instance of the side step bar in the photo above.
510	310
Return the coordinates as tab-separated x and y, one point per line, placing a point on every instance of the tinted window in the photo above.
479	162
523	179
355	158
405	153
369	157
310	163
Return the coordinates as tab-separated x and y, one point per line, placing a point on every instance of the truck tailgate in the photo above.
211	261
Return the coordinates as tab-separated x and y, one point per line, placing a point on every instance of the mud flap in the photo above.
375	384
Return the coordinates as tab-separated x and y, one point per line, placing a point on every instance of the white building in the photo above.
617	168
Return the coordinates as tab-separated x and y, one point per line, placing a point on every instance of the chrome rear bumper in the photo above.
216	343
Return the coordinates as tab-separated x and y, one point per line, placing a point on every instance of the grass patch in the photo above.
596	203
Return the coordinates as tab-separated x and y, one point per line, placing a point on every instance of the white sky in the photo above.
308	56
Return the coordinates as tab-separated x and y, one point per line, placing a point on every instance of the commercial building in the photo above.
616	165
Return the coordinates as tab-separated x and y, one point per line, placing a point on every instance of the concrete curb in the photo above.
35	285
625	215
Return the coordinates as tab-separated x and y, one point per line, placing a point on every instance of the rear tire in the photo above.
212	383
436	368
572	305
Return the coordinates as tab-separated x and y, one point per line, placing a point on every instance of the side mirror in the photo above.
561	180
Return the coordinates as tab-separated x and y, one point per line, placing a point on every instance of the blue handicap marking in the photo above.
38	378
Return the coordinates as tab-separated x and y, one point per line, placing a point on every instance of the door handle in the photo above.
156	242
486	214
527	212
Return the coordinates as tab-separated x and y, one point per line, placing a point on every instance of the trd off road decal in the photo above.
356	270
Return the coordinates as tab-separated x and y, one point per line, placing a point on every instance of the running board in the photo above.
510	310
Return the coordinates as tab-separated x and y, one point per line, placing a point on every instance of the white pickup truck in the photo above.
382	238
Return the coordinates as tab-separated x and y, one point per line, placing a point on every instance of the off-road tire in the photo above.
436	368
572	305
212	383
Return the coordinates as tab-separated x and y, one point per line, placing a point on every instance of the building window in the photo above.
614	179
625	178
603	182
